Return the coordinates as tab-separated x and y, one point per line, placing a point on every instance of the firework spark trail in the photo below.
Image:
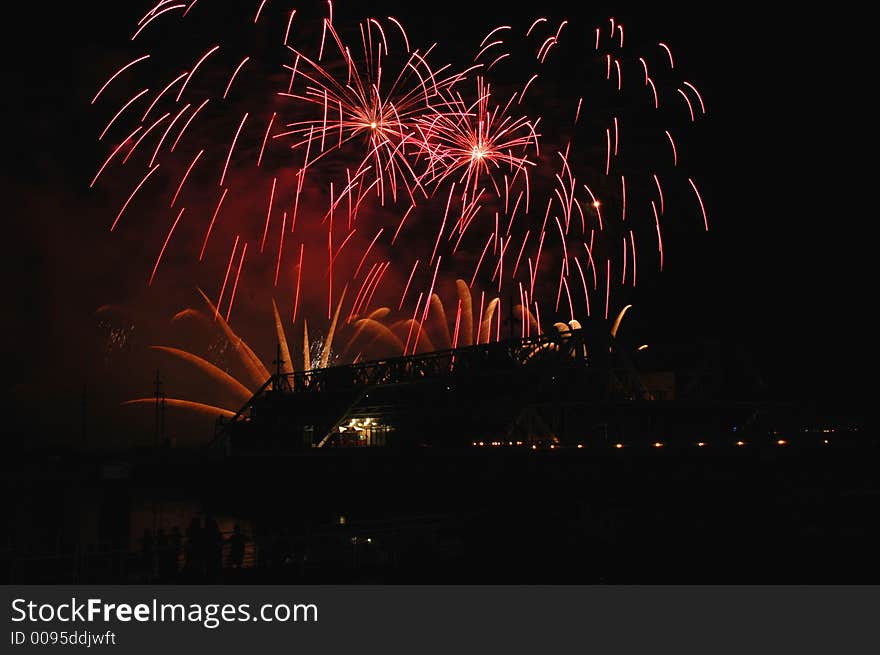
211	224
232	147
299	269
165	245
466	302
117	74
234	74
268	213
363	323
235	284
659	233
241	393
281	246
144	134
365	110
583	283
632	243
408	282
428	299
607	287
674	150
412	137
185	176
155	16
475	139
364	289
702	206
209	410
654	91
189	120
113	154
161	93
412	323
659	191
690	106
438	312
194	69
378	280
136	189
119	113
226	278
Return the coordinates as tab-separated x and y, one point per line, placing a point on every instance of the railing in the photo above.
568	346
482	358
102	564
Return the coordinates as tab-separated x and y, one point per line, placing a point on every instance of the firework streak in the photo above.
342	162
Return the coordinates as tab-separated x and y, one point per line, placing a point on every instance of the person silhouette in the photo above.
193	559
175	542
236	547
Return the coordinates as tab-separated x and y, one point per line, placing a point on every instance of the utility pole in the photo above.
160	410
84	416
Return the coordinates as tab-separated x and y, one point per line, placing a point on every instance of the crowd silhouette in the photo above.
203	551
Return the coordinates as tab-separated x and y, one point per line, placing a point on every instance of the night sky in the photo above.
779	272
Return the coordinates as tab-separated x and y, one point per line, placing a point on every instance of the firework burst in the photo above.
339	158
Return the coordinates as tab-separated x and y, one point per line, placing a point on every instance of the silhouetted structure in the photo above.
560	388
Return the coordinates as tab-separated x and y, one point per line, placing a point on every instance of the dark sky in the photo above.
780	272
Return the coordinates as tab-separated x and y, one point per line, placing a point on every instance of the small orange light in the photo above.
658	444
373	125
596	204
701	444
826	441
618	445
781	442
580	445
740	443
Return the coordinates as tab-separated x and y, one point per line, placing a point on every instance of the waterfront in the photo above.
788	513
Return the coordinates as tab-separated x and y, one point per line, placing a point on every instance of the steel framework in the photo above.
450	396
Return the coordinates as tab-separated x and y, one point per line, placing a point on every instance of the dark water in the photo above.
785	514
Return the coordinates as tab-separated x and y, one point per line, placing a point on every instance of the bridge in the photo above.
454	397
566	387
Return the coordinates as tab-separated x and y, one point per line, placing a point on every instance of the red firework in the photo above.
411	172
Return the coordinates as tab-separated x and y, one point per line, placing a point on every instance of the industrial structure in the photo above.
570	386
